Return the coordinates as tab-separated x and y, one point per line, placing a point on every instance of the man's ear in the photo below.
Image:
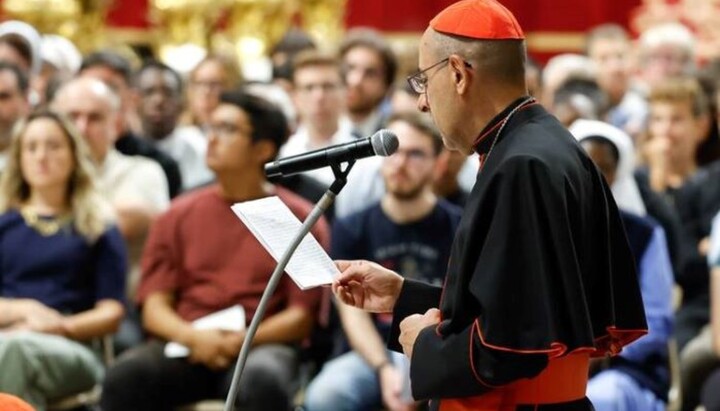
265	150
461	75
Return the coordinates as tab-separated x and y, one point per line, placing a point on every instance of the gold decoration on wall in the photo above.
324	21
253	27
82	21
185	28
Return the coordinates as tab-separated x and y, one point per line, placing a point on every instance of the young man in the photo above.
410	230
160	91
319	97
679	113
201	259
370	67
608	46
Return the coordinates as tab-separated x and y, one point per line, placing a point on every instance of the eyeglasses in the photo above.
412	155
324	87
418	81
225	131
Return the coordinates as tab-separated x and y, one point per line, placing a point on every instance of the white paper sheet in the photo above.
229	319
274	225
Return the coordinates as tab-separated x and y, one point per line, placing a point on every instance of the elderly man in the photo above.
541	276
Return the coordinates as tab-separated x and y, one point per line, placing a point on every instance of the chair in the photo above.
207	405
90	397
675	392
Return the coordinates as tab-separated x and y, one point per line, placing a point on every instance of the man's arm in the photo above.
213	348
134	219
460	365
363	336
290	325
415	298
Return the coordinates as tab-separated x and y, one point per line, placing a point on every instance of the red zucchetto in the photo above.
478	19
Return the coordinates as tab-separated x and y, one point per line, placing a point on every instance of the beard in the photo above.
406	191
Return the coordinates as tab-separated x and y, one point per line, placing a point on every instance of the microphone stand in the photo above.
322	205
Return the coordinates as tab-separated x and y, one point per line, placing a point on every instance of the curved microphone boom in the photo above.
382	143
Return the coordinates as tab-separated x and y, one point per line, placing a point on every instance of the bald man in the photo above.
541	276
136	186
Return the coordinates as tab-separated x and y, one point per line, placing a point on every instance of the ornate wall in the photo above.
552	26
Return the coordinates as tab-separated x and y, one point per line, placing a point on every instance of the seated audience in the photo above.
410	231
201	259
639	378
62	281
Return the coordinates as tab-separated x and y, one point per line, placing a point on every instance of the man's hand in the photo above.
367	285
411	326
214	348
391	386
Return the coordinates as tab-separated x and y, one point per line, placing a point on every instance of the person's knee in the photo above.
19	346
320	398
125	381
605	392
266	382
329	392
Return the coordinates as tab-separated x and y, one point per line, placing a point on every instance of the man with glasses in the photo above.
541	276
410	231
200	259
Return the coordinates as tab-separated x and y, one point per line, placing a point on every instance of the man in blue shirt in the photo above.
410	231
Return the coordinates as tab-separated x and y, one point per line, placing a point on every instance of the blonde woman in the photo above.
62	264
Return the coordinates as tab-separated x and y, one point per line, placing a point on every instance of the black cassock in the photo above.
540	268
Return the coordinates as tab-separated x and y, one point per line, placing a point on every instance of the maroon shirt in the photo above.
200	250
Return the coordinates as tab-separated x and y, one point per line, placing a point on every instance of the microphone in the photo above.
382	143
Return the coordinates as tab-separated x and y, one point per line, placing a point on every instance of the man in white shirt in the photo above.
318	94
136	186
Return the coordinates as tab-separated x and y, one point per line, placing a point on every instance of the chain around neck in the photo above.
502	126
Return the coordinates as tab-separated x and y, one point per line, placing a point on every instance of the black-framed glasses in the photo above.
418	81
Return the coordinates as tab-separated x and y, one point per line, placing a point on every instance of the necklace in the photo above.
502	126
44	226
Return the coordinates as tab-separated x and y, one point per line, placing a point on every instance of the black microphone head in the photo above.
384	142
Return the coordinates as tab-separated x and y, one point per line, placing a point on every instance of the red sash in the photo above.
563	380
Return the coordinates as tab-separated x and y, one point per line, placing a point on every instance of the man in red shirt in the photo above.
200	259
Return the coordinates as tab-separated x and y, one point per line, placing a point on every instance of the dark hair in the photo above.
421	123
156	65
575	86
367	37
614	152
283	54
267	120
21	45
20	77
111	60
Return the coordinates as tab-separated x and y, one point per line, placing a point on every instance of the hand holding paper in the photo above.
229	319
274	225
